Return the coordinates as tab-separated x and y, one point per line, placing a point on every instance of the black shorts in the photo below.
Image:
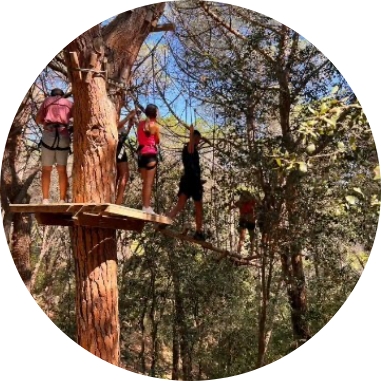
144	160
244	224
121	153
191	188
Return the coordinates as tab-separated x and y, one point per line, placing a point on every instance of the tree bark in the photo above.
292	265
14	189
94	171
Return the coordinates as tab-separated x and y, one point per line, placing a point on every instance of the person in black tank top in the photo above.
191	184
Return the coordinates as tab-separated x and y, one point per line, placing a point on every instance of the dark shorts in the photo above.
144	160
121	153
244	224
191	188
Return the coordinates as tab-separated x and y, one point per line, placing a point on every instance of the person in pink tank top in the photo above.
148	139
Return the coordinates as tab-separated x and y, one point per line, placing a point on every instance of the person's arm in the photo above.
191	140
128	118
41	114
155	130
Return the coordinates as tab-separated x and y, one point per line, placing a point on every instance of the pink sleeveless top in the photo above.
146	141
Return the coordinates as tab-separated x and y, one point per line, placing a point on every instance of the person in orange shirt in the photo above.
246	205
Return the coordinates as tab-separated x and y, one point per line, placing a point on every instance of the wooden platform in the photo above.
107	216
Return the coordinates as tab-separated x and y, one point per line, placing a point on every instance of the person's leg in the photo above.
198	215
61	158
121	181
47	161
242	236
181	201
196	191
45	181
252	237
148	179
63	181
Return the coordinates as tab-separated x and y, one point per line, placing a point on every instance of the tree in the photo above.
95	136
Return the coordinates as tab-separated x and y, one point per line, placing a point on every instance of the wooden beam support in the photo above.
104	222
75	64
163	28
53	219
92	65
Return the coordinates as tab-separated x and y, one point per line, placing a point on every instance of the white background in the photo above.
33	33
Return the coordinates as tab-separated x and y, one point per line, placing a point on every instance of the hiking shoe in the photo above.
148	210
199	236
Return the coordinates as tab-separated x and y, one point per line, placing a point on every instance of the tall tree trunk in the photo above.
292	265
180	327
94	170
94	181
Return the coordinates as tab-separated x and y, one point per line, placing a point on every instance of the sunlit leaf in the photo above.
352	200
311	148
358	190
376	173
302	166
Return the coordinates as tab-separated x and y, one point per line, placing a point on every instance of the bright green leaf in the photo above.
358	190
329	121
311	148
352	200
302	166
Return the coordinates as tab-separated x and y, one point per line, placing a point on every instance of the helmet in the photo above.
55	92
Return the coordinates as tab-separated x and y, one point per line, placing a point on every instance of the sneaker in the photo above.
62	202
45	201
199	236
148	210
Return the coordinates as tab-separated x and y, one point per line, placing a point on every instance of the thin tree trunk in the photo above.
143	342
175	347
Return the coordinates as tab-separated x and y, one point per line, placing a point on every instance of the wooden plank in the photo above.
169	27
105	222
75	65
67	208
92	65
118	210
183	237
136	217
54	220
